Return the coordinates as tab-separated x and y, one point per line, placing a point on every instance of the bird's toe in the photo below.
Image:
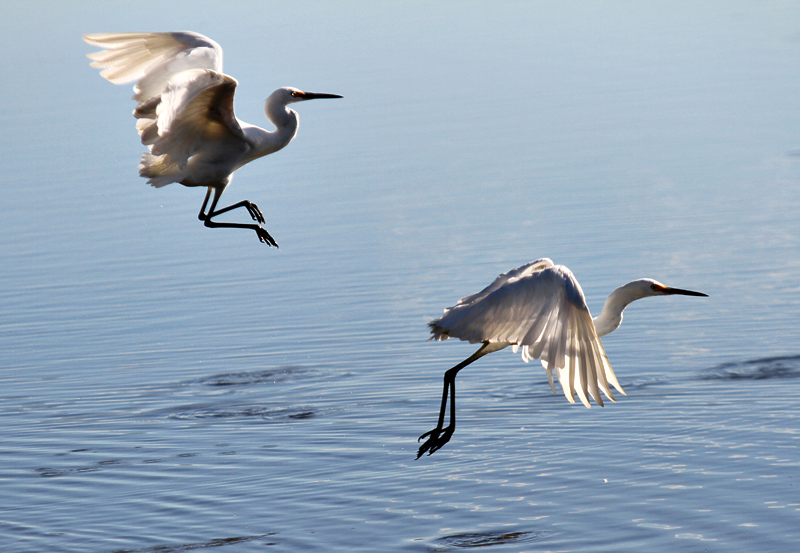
255	213
432	436
265	238
429	433
423	449
436	439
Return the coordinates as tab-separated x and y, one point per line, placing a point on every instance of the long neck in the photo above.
268	142
611	317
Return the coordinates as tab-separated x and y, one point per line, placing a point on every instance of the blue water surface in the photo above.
167	387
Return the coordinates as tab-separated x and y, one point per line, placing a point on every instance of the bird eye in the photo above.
295	94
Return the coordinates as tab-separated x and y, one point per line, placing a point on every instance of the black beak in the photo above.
317	95
677	291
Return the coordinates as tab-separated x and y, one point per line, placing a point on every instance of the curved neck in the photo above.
285	120
611	317
266	142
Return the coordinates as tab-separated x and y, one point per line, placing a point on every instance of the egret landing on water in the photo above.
539	308
185	114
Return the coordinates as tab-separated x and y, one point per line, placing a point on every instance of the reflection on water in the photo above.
170	388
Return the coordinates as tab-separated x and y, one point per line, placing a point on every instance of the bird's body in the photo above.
540	309
185	114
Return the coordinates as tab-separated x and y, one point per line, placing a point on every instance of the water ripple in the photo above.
97	466
482	539
225	412
756	369
219	542
248	378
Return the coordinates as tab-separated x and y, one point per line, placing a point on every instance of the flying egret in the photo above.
540	309
185	114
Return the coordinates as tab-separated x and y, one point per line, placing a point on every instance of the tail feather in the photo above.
437	332
160	170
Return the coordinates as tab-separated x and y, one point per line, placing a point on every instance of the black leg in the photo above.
262	234
252	208
441	434
202	214
433	442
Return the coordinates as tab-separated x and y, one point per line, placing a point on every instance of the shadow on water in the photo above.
219	542
473	540
756	369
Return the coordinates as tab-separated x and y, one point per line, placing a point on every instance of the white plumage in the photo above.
185	114
539	308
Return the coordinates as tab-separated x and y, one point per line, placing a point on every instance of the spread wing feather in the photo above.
196	104
183	98
152	59
540	309
195	108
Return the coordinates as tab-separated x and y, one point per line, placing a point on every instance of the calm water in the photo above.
166	387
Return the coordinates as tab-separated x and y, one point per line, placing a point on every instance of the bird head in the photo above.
611	316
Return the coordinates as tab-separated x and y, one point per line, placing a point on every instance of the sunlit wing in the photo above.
505	278
183	97
152	59
541	310
196	108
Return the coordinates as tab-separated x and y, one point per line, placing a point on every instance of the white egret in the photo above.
185	114
540	309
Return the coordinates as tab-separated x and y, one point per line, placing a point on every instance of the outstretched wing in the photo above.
152	59
505	278
183	97
541	309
